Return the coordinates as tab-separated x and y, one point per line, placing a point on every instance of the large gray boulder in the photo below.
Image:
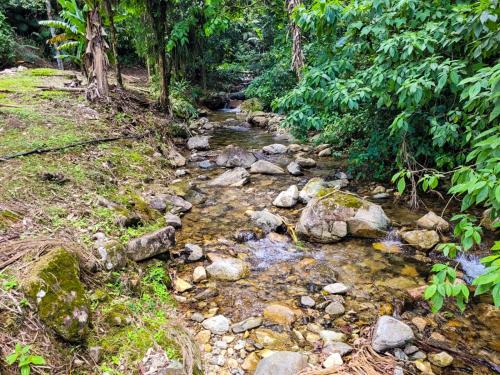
333	214
235	177
282	363
266	167
228	269
390	333
234	156
199	142
151	244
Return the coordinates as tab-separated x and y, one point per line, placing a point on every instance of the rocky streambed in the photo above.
259	299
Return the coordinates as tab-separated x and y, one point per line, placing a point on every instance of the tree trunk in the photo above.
112	29
297	54
60	65
96	61
157	12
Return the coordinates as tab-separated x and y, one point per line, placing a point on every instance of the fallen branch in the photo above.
9	106
83	143
53	88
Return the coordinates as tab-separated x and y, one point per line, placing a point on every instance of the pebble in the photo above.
195	252
199	274
247	324
218	324
197	317
333	360
307	301
203	337
181	285
332	336
441	359
336	288
335	308
420	323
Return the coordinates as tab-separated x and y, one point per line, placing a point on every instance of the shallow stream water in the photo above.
282	271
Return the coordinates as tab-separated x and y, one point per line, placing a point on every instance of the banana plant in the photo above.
72	26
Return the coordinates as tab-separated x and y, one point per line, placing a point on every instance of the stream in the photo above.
283	272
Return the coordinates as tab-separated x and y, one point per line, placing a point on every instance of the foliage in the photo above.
71	40
24	359
445	284
6	42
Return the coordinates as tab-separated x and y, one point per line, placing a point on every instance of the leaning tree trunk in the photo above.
96	61
48	6
297	54
112	29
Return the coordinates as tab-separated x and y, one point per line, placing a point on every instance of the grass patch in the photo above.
45	72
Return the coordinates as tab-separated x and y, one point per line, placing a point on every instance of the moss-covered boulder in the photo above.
53	284
332	215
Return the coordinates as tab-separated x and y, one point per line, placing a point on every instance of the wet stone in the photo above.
336	288
246	325
335	308
307	301
390	333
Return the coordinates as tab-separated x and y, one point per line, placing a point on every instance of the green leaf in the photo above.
11	358
430	291
401	185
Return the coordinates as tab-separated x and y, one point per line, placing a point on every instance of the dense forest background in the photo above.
405	89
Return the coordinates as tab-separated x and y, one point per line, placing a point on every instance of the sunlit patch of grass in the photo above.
44	72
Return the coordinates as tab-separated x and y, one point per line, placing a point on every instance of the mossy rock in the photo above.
53	283
252	105
334	197
118	315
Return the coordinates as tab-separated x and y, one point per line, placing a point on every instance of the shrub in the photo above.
6	43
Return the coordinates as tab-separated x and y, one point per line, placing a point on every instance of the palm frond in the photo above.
68	45
59	38
58	25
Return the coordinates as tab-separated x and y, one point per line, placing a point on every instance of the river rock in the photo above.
235	177
246	325
112	254
173	220
282	363
287	198
260	121
390	333
337	347
432	221
332	336
335	308
333	360
53	284
311	189
195	252
218	324
266	220
280	314
336	288
234	156
307	301
421	239
228	269
181	285
294	169
337	214
266	167
175	158
265	337
326	152
199	142
169	203
275	149
441	359
206	164
199	274
294	147
305	162
151	244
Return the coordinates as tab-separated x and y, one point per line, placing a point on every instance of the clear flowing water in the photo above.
281	271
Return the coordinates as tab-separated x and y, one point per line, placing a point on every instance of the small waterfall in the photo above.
470	265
